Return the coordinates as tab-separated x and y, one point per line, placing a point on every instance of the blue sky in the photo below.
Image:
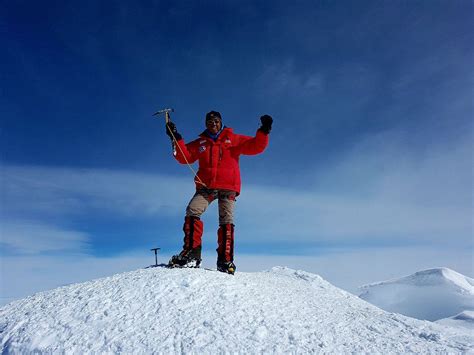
370	158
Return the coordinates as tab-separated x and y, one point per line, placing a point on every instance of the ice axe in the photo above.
165	111
175	144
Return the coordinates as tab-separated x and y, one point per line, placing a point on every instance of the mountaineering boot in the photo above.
186	259
226	266
225	249
190	256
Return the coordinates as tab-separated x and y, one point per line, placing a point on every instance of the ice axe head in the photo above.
166	112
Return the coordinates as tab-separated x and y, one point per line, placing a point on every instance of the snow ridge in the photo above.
203	311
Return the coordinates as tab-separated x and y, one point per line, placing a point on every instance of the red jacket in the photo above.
219	160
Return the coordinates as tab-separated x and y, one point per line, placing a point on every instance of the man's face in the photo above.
213	125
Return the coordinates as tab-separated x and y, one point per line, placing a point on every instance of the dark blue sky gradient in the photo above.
80	79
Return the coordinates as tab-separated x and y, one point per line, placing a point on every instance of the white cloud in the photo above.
282	79
41	191
378	192
28	237
22	276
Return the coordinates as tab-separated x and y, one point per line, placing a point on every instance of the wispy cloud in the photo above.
282	79
40	206
28	237
379	193
22	276
43	191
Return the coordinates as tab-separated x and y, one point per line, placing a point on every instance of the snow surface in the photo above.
428	294
204	311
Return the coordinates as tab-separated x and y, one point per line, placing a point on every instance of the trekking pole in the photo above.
156	255
167	111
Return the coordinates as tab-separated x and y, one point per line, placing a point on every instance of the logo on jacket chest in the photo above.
202	149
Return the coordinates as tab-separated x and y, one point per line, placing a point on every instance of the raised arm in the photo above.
183	153
256	145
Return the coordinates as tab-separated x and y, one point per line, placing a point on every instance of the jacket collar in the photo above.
226	131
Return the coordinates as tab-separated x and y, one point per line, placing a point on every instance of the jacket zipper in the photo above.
210	154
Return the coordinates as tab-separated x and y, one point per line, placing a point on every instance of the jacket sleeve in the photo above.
186	153
253	145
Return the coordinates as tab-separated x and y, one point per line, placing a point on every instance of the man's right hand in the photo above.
172	131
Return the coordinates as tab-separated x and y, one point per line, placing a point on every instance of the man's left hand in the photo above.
267	121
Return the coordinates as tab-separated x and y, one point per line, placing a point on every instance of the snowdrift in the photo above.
203	311
429	294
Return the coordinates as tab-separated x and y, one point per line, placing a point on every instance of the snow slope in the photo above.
203	311
429	294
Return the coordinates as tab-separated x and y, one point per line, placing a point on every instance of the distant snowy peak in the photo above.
431	277
464	320
428	294
466	316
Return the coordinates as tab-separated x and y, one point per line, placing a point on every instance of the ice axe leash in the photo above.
166	112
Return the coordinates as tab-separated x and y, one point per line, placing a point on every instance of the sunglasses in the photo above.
213	120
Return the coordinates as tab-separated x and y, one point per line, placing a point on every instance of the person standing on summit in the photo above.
218	150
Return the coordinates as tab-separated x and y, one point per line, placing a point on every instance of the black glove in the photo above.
170	126
267	121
